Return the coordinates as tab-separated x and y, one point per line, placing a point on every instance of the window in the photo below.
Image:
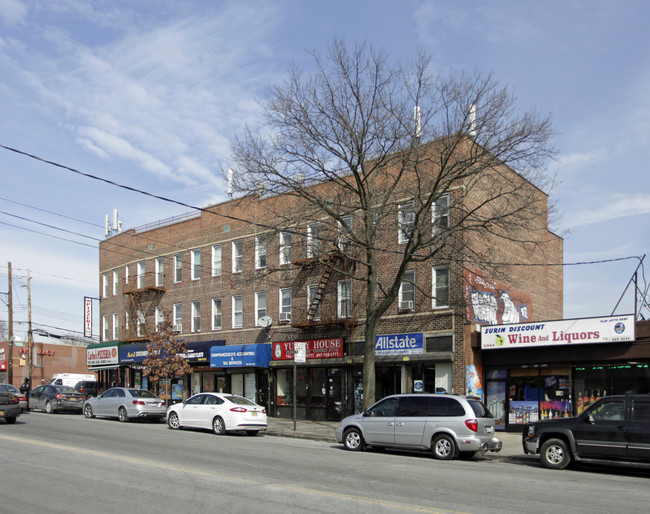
285	304
178	267
313	240
177	313
345	228
439	406
440	288
159	267
116	327
160	317
105	285
406	221
126	274
413	406
407	292
141	276
216	260
384	409
311	292
260	251
115	282
260	307
285	247
195	263
237	256
216	314
343	299
105	328
440	214
196	316
237	311
140	321
126	321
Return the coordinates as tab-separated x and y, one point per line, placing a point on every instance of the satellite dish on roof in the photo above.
265	321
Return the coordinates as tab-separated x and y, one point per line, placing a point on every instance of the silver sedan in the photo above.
125	403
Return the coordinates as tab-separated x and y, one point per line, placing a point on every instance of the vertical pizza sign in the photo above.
88	316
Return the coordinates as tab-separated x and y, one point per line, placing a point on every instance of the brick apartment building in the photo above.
241	293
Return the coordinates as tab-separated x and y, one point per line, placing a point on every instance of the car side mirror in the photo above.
589	419
365	412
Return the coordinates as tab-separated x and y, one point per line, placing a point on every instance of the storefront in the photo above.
104	359
555	369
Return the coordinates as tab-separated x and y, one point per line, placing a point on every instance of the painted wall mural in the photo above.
492	303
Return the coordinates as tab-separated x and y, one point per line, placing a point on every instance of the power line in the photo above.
53	213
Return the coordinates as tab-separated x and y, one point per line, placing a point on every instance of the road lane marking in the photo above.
271	485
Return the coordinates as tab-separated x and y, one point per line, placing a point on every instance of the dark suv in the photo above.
613	428
87	387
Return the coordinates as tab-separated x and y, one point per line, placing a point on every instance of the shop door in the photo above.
334	394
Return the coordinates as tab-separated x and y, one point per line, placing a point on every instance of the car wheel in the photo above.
444	447
173	422
555	454
88	411
121	415
218	426
10	421
48	407
353	440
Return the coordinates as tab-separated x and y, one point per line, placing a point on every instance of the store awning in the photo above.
240	356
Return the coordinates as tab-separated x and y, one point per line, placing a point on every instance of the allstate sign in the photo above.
399	344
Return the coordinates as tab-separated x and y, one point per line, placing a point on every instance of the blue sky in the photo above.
147	93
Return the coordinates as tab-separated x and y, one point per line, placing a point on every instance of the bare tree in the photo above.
347	142
165	354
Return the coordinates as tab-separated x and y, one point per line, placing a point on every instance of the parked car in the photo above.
125	403
448	425
22	398
219	412
9	403
87	387
614	428
54	398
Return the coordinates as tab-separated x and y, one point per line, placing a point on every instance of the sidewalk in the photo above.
324	431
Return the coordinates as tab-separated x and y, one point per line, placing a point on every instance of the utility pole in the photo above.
30	337
10	359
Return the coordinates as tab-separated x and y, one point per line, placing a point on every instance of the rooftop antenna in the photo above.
416	119
107	226
472	120
117	224
230	184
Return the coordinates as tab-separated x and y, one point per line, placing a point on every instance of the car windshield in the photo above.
479	409
8	388
142	393
64	389
239	400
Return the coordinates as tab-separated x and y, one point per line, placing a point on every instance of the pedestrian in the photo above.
26	389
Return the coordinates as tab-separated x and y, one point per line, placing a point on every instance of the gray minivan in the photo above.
449	425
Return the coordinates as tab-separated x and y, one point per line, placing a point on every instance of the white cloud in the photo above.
13	12
620	206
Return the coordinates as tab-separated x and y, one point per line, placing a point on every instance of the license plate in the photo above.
2	413
489	430
254	413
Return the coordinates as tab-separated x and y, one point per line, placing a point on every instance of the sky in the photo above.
148	93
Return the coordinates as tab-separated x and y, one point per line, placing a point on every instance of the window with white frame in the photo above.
285	247
159	266
178	267
285	304
237	256
159	317
344	299
440	288
196	316
407	292
105	328
311	293
105	285
237	311
260	307
313	239
116	327
115	282
126	274
177	313
406	221
139	325
345	229
126	321
195	263
260	251
140	281
217	314
440	214
216	260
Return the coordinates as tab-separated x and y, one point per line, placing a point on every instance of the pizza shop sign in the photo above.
316	349
102	356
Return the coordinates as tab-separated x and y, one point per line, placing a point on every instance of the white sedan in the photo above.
219	412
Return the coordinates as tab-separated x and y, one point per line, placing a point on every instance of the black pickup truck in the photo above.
9	404
614	428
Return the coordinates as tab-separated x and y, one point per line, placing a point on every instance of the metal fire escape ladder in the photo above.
322	283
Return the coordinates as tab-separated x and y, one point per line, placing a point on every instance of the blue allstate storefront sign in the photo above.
399	344
240	356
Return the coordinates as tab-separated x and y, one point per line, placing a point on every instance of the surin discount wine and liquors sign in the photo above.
613	329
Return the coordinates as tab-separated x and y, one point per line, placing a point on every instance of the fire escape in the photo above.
141	297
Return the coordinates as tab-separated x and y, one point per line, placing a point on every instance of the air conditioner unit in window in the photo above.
178	328
406	306
285	316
